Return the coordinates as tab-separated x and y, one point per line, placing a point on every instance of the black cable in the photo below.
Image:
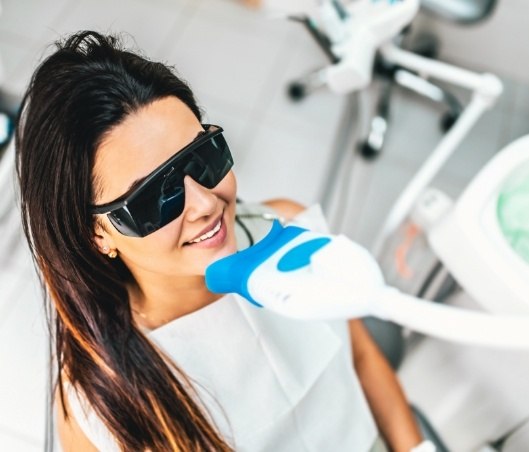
245	229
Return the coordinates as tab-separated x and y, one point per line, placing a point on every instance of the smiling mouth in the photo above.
207	235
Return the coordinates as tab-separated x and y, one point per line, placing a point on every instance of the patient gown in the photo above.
270	383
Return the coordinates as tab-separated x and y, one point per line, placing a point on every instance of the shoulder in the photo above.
285	207
71	435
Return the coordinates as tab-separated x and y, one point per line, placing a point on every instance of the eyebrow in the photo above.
137	182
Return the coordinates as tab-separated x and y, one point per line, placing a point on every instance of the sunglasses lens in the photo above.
211	164
163	199
172	198
123	222
150	210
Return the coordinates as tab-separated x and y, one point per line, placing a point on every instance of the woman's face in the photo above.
132	150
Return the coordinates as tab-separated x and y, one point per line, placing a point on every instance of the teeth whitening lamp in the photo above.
306	275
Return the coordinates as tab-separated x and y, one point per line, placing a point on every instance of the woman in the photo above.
126	198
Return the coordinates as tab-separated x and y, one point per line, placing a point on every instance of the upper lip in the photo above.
206	229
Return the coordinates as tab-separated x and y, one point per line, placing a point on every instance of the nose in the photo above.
199	202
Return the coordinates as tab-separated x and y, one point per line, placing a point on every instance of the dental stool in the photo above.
465	12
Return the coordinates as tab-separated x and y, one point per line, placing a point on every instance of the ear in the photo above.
102	238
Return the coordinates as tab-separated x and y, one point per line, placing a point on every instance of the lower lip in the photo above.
215	241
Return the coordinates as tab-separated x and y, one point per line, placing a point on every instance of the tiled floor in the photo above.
238	63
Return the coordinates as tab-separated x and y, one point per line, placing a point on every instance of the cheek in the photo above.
227	188
227	191
147	252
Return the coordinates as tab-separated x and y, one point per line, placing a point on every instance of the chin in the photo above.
229	248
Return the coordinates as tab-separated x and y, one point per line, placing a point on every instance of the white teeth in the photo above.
209	234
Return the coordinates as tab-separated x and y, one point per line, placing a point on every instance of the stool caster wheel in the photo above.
367	151
297	91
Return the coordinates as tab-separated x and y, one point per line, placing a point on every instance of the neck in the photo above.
156	300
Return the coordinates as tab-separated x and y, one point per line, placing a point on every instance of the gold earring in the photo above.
113	254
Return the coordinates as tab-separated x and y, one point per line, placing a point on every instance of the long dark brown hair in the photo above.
89	85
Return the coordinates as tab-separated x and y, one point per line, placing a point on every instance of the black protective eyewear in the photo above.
160	197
